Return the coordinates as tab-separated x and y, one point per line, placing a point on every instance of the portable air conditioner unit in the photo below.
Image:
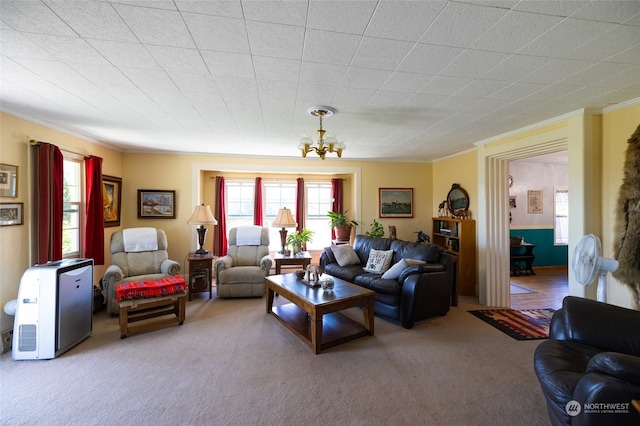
54	309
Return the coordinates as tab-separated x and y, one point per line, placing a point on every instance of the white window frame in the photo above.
560	217
78	205
245	217
316	215
274	197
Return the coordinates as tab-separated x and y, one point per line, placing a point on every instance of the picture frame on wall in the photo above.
111	200
396	202
8	180
534	204
11	214
156	204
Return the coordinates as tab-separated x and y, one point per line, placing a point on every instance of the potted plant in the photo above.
298	238
376	230
341	224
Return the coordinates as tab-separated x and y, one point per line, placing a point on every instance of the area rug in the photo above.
519	289
528	324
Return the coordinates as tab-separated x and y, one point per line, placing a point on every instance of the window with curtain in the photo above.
276	196
73	207
318	200
561	215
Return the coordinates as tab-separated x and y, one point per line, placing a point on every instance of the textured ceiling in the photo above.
410	80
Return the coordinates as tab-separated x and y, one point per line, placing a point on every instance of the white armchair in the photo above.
143	263
242	271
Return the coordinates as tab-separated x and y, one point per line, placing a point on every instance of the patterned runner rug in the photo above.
528	324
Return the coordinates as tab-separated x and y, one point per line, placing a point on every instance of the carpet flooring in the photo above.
528	324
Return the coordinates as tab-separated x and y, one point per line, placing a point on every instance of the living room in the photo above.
446	370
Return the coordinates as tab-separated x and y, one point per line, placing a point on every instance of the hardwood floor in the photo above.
551	286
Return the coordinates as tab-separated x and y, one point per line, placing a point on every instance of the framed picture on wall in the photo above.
534	201
156	204
11	214
111	199
396	202
8	180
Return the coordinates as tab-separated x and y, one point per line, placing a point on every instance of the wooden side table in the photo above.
200	273
303	260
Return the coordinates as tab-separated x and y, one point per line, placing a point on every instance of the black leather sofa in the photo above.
589	369
421	291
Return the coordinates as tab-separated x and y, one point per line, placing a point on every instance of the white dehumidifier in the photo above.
54	309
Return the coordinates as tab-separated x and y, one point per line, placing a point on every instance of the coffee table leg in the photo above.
269	299
368	315
316	332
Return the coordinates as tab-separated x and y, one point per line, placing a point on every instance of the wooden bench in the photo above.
150	313
517	256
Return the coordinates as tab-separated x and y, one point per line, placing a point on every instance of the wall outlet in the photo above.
7	340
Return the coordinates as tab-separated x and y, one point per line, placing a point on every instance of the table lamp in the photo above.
284	219
202	216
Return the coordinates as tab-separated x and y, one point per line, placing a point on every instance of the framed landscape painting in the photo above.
396	202
111	198
156	204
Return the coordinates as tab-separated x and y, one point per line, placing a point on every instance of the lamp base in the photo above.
202	232
283	240
201	252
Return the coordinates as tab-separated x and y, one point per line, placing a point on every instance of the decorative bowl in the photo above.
327	284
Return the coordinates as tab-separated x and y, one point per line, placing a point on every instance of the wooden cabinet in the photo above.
200	273
458	236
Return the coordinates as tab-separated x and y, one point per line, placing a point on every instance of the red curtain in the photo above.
336	200
300	204
47	202
220	232
94	228
258	216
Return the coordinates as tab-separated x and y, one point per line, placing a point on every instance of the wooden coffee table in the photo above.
313	313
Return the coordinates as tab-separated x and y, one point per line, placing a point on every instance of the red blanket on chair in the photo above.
147	289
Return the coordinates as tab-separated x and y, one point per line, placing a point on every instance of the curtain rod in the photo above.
33	142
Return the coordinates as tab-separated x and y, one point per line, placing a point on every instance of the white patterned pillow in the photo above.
345	255
379	261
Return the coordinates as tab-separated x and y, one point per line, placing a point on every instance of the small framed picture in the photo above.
111	199
11	214
396	202
156	204
8	180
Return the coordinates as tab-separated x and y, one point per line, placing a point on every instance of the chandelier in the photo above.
330	144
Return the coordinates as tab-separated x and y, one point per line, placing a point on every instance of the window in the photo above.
278	195
561	211
239	200
73	206
318	204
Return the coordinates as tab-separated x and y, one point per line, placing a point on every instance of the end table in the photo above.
302	260
200	273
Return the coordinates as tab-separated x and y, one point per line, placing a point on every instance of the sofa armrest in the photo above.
326	257
112	275
169	267
623	366
221	264
424	295
265	263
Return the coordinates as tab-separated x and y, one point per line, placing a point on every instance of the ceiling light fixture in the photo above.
329	144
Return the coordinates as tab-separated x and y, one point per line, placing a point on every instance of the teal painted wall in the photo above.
545	252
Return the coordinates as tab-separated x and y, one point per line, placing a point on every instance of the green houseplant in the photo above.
341	224
376	230
298	238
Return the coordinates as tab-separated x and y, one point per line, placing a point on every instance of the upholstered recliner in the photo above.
242	271
137	254
589	369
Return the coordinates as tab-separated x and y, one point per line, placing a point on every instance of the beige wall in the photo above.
465	175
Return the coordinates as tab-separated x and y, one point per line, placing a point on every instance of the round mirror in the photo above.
458	201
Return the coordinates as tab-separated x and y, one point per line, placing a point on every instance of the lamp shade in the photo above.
202	216
284	219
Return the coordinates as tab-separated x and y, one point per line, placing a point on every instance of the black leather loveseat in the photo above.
589	369
420	291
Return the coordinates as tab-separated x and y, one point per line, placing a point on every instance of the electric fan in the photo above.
588	263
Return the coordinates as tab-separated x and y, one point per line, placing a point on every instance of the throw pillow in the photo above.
394	272
345	255
379	261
